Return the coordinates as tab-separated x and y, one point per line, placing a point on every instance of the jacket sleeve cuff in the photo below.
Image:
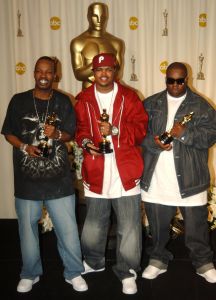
85	142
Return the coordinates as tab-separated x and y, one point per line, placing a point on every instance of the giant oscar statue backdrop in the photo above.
93	41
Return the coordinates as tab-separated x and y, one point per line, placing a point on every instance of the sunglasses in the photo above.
178	81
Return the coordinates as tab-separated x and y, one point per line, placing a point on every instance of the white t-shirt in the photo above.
112	185
164	187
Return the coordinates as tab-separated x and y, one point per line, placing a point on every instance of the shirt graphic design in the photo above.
41	167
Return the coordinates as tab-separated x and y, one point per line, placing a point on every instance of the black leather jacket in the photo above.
190	151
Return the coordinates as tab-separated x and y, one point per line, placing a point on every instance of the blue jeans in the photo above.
95	230
62	213
196	235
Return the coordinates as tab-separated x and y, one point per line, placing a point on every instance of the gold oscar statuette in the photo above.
133	75
104	145
166	137
19	31
200	74
165	30
45	145
93	41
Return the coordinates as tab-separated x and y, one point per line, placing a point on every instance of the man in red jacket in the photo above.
111	179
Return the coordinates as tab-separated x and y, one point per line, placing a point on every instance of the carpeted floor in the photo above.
179	283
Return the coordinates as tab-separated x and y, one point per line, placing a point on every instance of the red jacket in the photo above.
130	118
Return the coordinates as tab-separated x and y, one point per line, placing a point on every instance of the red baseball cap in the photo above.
104	60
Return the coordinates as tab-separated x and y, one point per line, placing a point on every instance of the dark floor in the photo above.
179	283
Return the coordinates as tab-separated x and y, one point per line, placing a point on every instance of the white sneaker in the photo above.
152	272
88	269
25	285
129	286
78	284
209	275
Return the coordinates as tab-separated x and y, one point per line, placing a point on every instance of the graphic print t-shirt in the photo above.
39	178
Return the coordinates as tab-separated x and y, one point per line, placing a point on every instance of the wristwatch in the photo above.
114	130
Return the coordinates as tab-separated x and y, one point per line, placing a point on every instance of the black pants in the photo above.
196	234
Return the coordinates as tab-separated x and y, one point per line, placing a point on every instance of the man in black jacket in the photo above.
176	171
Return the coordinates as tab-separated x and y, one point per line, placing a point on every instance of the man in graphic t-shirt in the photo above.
37	124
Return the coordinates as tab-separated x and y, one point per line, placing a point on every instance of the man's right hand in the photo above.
91	148
166	147
33	151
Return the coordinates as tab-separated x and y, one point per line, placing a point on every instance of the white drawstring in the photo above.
90	119
119	127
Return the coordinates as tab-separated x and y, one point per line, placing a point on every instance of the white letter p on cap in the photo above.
100	59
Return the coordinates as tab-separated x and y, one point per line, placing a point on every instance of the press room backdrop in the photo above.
156	33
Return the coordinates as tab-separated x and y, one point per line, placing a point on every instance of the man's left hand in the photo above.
105	128
50	131
177	130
